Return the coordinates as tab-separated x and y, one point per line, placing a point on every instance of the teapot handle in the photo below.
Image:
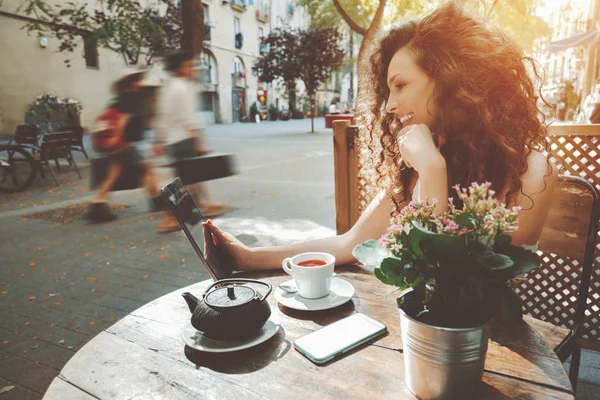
240	280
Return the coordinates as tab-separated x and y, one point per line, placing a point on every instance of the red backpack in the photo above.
104	131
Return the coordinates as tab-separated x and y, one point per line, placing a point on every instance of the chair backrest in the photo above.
57	144
575	150
557	292
27	134
76	133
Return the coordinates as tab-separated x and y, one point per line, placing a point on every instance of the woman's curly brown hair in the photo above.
485	98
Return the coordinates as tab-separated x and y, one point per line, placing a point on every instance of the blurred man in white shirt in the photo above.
179	129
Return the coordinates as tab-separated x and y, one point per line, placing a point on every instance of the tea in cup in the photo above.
312	273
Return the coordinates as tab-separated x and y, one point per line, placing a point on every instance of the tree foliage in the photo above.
281	61
123	26
308	55
319	55
367	17
515	17
324	13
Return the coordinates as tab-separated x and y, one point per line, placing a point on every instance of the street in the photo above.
63	280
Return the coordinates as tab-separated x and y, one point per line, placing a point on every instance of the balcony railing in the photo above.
239	40
239	5
207	30
262	15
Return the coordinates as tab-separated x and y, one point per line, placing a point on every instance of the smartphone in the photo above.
339	337
189	217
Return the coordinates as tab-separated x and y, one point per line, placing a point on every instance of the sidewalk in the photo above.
62	280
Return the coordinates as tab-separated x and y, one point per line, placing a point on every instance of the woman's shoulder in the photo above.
541	173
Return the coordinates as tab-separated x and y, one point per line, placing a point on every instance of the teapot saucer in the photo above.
340	293
196	340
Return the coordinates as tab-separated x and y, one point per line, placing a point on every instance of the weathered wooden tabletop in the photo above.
143	357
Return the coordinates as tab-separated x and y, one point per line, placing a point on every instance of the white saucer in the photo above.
196	340
341	292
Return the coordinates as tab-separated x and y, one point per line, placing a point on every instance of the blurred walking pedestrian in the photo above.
180	131
119	126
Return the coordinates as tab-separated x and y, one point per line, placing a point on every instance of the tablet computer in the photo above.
190	218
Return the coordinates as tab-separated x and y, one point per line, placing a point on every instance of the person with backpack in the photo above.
180	133
113	137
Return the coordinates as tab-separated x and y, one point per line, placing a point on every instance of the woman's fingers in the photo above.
403	153
208	236
219	235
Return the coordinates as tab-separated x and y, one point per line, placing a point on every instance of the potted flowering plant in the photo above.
453	269
50	108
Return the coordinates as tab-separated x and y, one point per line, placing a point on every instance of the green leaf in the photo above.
416	237
369	253
449	246
524	261
502	241
495	262
381	276
511	309
465	220
391	265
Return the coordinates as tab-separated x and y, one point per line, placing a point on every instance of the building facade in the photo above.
570	57
234	30
31	66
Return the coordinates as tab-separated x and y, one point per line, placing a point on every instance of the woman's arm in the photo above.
371	225
538	183
433	184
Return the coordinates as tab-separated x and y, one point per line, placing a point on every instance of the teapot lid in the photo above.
230	296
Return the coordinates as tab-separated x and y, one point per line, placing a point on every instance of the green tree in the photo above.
364	17
281	61
319	55
310	55
515	17
123	26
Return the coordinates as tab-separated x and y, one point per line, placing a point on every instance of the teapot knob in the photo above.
230	292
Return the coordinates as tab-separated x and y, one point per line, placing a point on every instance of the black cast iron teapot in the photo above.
228	310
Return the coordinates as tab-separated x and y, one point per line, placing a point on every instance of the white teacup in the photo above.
312	282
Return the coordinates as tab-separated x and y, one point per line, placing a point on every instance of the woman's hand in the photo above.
223	249
417	148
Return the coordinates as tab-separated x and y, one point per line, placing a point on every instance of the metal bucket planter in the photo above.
443	363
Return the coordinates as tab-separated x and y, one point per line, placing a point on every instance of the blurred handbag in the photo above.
131	177
193	167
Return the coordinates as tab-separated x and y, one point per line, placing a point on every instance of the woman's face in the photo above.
411	90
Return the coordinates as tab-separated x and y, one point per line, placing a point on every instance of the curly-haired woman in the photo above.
451	101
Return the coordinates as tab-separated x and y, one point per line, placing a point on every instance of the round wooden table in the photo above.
143	357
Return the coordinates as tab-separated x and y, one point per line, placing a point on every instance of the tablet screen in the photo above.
190	218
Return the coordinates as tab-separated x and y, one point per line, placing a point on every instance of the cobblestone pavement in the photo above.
63	280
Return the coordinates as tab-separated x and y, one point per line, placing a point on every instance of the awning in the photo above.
575	41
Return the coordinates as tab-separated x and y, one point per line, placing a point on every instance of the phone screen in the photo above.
339	337
190	217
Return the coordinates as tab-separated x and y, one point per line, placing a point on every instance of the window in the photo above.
206	13
236	25
207	101
90	49
208	68
206	22
238	38
262	46
239	73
